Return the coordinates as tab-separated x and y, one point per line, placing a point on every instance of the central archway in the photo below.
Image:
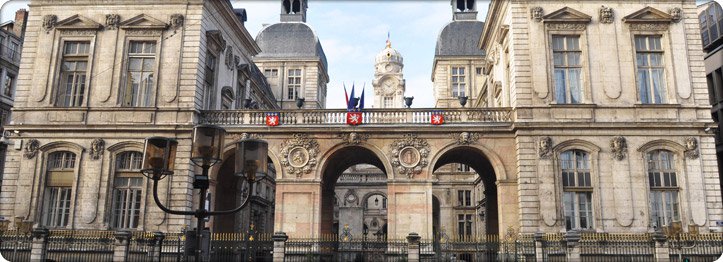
477	160
335	165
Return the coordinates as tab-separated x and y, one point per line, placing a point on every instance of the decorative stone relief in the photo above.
176	21
566	26
229	58
619	147
544	147
607	15
691	148
31	148
351	199
237	62
298	155
112	21
409	155
676	14
465	138
537	13
96	148
78	32
49	22
242	136
649	26
353	138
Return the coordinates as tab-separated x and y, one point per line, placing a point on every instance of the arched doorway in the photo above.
229	194
353	185
485	208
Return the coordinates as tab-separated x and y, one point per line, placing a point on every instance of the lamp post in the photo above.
208	142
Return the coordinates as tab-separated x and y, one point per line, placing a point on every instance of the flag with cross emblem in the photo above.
353	118
272	119
437	118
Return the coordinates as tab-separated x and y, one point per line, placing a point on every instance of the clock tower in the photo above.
388	80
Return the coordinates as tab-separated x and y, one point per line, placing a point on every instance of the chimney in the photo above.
21	18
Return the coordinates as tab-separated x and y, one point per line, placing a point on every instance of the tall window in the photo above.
458	81
271	73
464	226
8	85
59	180
464	198
664	206
73	72
226	99
388	102
139	73
13	52
649	61
566	56
577	189
209	80
293	84
127	190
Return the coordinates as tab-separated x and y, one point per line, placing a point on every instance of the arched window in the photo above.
577	189
227	98
664	205
377	202
58	189
127	190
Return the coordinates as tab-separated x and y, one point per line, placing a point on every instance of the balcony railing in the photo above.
370	116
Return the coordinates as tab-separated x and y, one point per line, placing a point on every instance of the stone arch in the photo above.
673	146
42	170
61	145
122	146
497	164
384	165
108	186
575	144
366	197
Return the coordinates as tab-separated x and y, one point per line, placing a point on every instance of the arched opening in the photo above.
354	186
230	193
466	184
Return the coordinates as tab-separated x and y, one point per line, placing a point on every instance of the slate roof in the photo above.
290	40
460	38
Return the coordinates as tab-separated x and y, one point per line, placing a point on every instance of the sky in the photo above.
352	32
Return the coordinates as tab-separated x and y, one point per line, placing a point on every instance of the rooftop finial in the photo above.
389	42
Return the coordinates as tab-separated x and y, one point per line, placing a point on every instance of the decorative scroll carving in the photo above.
237	61
649	26
676	14
353	138
465	138
96	148
49	22
409	155
691	148
566	26
31	148
142	32
544	147
112	21
298	155
619	147
176	21
242	136
229	58
78	32
536	13
607	15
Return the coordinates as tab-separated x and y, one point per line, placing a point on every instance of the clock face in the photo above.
389	86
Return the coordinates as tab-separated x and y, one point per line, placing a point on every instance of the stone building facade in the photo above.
11	44
710	16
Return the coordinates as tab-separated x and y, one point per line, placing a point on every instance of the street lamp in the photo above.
206	151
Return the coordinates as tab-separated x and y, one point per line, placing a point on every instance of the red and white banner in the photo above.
353	118
272	119
437	118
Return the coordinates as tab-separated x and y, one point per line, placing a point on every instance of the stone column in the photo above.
572	239
413	251
539	256
157	245
662	249
39	247
279	246
120	250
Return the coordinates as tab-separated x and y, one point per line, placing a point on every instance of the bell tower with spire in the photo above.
388	83
293	10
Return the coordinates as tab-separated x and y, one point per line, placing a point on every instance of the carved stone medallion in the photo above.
49	22
618	147
298	155
409	155
607	15
691	148
544	147
353	138
31	148
112	21
465	138
96	148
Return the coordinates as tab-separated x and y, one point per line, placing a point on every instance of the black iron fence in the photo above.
16	245
331	248
77	245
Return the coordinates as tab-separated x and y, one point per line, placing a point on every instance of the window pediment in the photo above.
143	21
567	15
648	15
78	22
215	40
